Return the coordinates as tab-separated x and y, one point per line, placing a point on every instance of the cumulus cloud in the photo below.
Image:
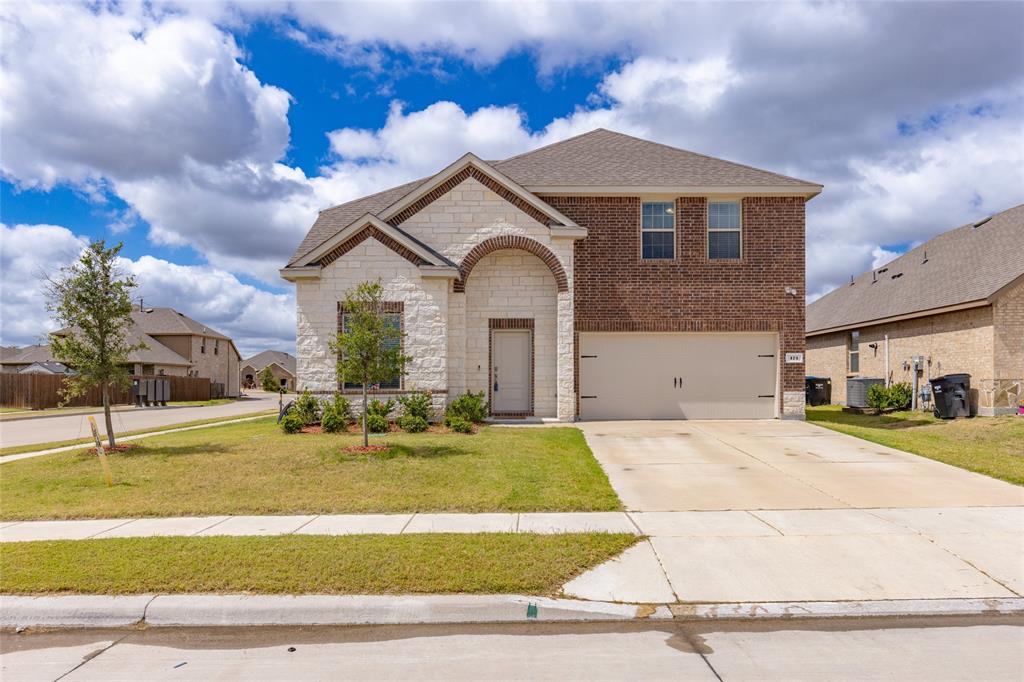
254	318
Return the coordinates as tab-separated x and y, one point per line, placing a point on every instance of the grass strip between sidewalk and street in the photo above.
36	447
19	413
993	446
254	468
485	563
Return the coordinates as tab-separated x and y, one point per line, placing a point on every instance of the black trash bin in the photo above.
818	391
952	396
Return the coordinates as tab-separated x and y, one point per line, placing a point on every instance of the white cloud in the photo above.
254	318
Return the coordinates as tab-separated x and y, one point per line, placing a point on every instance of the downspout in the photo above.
887	381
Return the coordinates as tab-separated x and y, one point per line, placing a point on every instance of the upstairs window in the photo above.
202	345
393	320
854	352
658	230
724	230
216	346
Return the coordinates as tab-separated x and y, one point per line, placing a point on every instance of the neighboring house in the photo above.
175	345
46	368
282	366
957	301
602	277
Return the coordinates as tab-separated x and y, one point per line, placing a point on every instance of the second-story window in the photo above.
202	345
216	346
657	230
724	230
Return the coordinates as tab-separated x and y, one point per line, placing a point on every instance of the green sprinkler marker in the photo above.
531	610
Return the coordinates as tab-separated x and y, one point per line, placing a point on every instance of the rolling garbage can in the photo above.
818	390
952	396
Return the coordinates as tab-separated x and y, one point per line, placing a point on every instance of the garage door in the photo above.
677	376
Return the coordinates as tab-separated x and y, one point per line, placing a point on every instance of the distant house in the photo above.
46	368
956	300
175	345
282	366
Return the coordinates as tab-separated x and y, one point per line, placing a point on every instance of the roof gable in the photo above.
266	358
969	264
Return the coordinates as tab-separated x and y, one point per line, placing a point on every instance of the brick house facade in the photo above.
977	330
484	249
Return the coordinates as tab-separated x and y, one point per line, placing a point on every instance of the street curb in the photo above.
92	611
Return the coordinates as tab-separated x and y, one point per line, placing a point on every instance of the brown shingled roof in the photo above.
599	158
965	265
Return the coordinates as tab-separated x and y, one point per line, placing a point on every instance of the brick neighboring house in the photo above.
282	366
602	277
176	345
957	300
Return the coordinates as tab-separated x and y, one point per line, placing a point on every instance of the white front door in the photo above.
510	370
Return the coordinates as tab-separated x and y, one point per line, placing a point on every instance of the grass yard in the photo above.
488	563
993	446
34	447
10	413
254	468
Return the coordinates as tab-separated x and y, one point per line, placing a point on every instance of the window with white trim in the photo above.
724	230
657	230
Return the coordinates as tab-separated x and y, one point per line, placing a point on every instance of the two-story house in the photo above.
602	277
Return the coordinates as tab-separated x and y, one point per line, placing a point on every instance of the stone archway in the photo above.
511	242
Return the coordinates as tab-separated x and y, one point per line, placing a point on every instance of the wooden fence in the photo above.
40	391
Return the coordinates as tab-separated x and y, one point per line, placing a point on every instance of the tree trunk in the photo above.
366	433
106	413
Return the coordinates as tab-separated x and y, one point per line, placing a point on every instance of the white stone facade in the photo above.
446	332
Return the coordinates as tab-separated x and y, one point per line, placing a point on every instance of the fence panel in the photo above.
41	391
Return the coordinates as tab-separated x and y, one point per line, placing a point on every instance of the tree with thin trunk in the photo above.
91	300
268	382
369	344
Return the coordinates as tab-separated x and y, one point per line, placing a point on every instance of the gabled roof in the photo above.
604	158
27	355
52	367
601	161
159	321
964	266
155	352
271	357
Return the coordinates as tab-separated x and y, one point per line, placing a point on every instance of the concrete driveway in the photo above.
30	430
766	511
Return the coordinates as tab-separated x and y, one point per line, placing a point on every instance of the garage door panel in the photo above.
677	376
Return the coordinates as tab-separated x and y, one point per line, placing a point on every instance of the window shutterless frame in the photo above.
392	320
657	230
725	230
853	364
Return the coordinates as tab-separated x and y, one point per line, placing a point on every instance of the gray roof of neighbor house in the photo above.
27	355
52	367
597	159
155	352
267	357
965	265
157	321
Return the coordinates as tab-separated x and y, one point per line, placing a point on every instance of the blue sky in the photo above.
206	136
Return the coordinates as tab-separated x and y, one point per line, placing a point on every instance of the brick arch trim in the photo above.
511	241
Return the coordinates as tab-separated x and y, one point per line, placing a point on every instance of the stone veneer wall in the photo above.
513	284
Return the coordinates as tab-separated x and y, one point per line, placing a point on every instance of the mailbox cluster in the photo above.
151	392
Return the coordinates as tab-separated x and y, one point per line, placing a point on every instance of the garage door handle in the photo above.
767	396
767	356
587	396
588	356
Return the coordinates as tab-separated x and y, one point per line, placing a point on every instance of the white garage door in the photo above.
677	376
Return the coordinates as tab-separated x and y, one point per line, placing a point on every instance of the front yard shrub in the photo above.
377	423
292	423
469	406
380	408
458	424
878	396
412	423
337	414
416	405
307	407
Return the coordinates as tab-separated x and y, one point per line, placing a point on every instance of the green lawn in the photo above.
253	468
487	563
988	445
18	449
11	413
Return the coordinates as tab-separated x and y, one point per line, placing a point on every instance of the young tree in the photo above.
268	382
369	345
91	299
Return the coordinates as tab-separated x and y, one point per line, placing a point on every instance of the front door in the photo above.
511	351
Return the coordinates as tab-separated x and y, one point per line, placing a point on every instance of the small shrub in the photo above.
469	406
412	423
377	423
382	409
337	414
292	423
900	395
416	405
307	407
458	424
878	396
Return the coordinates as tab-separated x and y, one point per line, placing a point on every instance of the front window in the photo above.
658	230
393	320
724	230
854	352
